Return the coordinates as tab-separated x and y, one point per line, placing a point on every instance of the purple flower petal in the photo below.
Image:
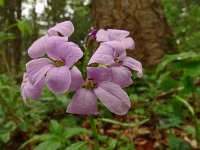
31	91
121	76
92	34
117	35
52	46
107	53
113	97
83	102
58	79
128	43
64	28
122	56
99	74
70	53
117	46
37	68
37	49
77	80
28	90
103	55
133	64
102	36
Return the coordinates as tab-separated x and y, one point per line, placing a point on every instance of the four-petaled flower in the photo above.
99	85
57	68
113	55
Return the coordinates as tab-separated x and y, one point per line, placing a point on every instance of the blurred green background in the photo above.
168	93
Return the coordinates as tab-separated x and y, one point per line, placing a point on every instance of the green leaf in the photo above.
6	130
1	2
188	106
168	83
182	58
5	137
23	125
133	97
111	144
10	126
69	132
166	60
189	84
77	145
47	136
189	129
43	137
48	145
121	123
197	129
54	126
178	144
177	108
109	141
24	27
140	111
34	138
168	123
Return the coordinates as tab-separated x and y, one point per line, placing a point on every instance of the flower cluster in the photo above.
53	65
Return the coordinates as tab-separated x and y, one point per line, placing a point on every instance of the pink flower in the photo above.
57	70
116	35
37	49
98	85
92	34
113	55
28	90
65	29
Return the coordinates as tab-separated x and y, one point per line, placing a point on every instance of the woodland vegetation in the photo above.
165	109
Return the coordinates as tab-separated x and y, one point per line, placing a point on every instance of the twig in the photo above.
175	90
170	92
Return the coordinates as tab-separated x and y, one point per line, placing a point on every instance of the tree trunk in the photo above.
18	39
35	33
13	47
143	18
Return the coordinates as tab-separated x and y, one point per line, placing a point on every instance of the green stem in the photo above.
196	121
84	63
197	131
94	130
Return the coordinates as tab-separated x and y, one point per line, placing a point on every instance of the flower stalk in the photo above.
94	131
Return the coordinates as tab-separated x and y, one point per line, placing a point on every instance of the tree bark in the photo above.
12	12
17	43
35	33
143	18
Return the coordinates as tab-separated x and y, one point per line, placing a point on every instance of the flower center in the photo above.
117	61
90	84
58	63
